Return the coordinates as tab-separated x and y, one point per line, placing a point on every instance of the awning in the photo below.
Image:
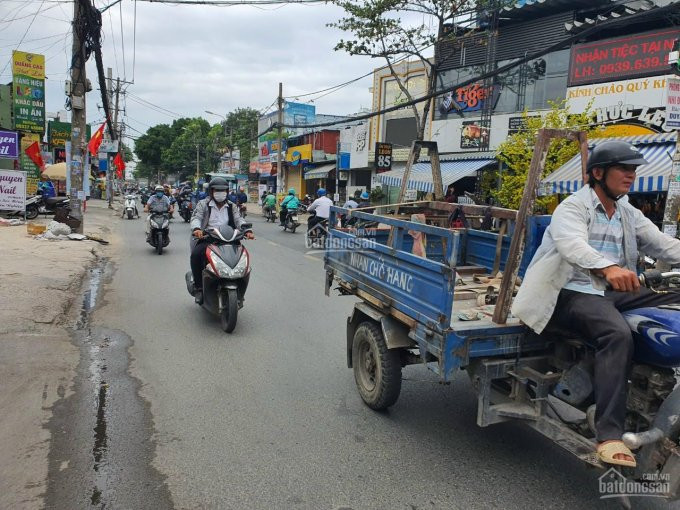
320	172
657	149
421	174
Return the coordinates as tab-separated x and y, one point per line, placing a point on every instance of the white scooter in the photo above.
130	208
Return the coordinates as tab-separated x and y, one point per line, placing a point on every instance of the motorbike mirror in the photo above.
246	226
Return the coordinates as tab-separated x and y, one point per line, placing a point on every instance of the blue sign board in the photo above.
9	145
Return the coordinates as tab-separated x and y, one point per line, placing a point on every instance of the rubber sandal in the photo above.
607	450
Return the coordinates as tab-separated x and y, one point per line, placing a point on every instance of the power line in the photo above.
134	43
26	32
122	40
556	46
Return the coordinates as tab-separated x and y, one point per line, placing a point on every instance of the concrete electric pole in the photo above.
279	176
78	120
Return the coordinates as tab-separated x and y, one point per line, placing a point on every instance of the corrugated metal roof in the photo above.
421	174
536	6
581	22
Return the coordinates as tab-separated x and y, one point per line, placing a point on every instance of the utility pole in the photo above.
78	120
109	174
279	177
197	163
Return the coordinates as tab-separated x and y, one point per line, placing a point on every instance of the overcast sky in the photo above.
194	58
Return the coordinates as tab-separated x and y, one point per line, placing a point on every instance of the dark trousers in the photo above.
283	212
314	220
598	320
198	261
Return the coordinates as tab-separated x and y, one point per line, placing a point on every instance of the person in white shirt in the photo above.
322	207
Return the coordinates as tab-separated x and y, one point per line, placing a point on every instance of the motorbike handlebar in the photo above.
654	277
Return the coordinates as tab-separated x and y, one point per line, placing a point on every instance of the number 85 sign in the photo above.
383	156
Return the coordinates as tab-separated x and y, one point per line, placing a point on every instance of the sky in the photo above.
188	59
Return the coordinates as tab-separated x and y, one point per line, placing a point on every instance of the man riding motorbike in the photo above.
322	206
211	212
592	243
290	202
241	197
269	202
158	202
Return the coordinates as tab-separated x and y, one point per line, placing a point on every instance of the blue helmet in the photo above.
365	195
321	192
291	191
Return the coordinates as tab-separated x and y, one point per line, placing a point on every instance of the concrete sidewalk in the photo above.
40	281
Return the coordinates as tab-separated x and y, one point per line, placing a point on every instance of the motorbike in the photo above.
38	205
225	277
130	208
291	221
269	214
185	209
316	236
159	230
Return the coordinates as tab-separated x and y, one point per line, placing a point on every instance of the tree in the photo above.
517	150
380	32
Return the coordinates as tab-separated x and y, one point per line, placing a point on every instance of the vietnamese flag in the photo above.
96	140
33	152
120	165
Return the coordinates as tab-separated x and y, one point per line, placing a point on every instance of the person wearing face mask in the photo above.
157	202
211	212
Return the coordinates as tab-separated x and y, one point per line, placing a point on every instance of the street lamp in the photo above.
223	117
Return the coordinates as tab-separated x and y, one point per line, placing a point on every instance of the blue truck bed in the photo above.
419	291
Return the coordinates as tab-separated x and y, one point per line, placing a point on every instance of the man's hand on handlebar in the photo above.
198	233
250	235
620	279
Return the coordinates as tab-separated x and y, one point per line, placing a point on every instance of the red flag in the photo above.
96	140
33	152
120	165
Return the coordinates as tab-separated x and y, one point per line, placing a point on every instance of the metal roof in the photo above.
582	21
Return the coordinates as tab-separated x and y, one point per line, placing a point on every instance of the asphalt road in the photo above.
268	417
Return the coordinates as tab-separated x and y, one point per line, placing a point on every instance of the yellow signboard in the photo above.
28	64
299	154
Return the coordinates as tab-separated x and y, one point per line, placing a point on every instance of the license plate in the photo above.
294	218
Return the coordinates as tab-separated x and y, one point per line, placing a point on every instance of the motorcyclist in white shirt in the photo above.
322	207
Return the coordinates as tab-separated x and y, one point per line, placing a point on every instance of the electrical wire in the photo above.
134	43
556	46
113	43
122	40
26	32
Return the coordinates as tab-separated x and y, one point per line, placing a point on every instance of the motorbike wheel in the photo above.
377	369
230	312
32	212
129	213
159	243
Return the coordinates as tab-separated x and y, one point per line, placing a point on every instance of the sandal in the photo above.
607	451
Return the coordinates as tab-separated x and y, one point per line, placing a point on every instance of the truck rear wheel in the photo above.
377	369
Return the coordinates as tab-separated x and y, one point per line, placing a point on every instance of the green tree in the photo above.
378	31
517	150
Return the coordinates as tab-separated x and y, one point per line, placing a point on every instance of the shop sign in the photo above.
673	104
473	136
649	91
517	124
621	58
58	133
27	165
383	156
9	145
654	118
468	99
28	87
12	190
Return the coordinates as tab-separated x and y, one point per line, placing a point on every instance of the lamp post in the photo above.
231	146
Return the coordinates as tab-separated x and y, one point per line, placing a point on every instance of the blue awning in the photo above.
320	172
421	174
657	149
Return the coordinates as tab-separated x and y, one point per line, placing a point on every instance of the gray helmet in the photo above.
614	152
158	188
219	184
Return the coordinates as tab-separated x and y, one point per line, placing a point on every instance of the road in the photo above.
186	416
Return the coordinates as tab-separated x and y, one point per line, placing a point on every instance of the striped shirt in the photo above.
606	237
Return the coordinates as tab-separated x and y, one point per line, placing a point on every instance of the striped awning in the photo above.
421	174
320	172
657	149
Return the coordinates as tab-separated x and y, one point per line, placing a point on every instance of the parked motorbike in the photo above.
159	230
130	208
225	277
38	205
291	221
185	210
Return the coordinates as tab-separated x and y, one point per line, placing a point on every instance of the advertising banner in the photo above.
299	154
468	99
28	83
27	165
643	91
298	114
621	58
12	190
673	104
58	133
472	135
9	145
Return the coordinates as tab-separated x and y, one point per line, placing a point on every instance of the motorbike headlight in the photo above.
223	270
166	223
